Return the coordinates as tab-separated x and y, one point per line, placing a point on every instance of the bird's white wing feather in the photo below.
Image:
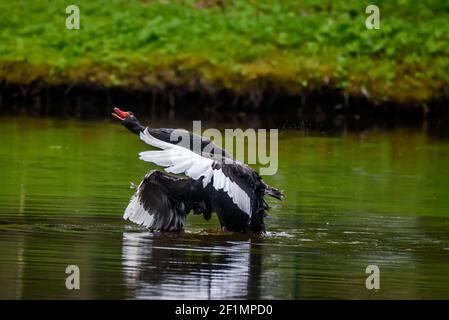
155	215
177	159
136	213
238	196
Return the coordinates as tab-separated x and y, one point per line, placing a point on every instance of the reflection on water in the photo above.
351	200
195	267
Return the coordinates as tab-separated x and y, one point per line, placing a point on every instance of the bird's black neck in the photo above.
134	126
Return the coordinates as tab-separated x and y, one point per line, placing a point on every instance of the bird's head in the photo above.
128	119
124	115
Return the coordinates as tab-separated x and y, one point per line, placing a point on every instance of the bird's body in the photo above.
213	183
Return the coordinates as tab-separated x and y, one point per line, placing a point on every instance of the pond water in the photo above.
352	200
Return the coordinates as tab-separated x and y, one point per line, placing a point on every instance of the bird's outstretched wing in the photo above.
223	176
154	207
189	140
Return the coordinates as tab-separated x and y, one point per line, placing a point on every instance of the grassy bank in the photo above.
245	46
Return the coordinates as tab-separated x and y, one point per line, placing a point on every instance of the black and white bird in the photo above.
214	182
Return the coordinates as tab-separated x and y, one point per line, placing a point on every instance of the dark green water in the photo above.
354	200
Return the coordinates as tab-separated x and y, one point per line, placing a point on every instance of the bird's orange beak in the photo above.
119	114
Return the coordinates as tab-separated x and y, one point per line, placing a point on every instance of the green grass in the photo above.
296	46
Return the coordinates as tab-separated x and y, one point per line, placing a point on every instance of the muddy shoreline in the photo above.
324	109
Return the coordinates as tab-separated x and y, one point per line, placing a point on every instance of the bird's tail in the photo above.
273	192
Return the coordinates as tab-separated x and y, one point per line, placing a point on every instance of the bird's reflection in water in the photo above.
191	266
